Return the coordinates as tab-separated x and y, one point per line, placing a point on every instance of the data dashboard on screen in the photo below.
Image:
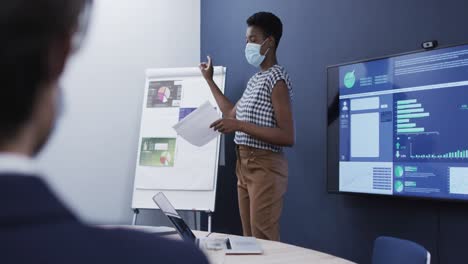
399	125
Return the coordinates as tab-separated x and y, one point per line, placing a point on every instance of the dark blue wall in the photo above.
317	34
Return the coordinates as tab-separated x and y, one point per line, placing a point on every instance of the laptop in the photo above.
233	245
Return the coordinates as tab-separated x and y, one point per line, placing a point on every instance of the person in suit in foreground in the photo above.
35	226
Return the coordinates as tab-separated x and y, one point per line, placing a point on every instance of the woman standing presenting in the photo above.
263	123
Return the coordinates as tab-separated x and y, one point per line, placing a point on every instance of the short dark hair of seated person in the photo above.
38	37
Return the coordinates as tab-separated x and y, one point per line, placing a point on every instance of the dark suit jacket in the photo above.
35	227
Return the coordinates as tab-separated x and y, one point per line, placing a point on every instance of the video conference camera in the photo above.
432	44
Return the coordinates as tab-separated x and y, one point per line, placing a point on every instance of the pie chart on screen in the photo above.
164	93
399	186
165	158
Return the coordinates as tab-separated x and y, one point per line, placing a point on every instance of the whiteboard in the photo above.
165	162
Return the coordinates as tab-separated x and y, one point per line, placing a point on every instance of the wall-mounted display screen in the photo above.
399	125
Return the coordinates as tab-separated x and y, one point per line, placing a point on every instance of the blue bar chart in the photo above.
459	154
430	126
407	114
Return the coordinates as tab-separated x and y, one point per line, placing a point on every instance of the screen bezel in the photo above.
330	130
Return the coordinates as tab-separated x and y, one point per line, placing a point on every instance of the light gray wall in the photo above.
91	158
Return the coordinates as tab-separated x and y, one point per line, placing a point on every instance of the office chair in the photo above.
390	250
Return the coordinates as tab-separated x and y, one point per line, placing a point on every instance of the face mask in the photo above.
60	104
252	53
45	135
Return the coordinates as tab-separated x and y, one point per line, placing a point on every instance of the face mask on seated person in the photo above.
253	55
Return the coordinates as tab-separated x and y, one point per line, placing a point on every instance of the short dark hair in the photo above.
269	23
28	29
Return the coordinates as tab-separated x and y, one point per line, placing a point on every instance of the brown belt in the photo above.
255	151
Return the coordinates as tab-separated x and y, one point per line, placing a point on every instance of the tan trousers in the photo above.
262	182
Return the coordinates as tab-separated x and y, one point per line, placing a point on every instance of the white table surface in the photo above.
274	252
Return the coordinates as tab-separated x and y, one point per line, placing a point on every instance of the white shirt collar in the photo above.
17	164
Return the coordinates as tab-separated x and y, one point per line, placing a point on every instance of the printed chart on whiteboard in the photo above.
165	160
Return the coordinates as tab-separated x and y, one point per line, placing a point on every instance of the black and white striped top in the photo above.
256	106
